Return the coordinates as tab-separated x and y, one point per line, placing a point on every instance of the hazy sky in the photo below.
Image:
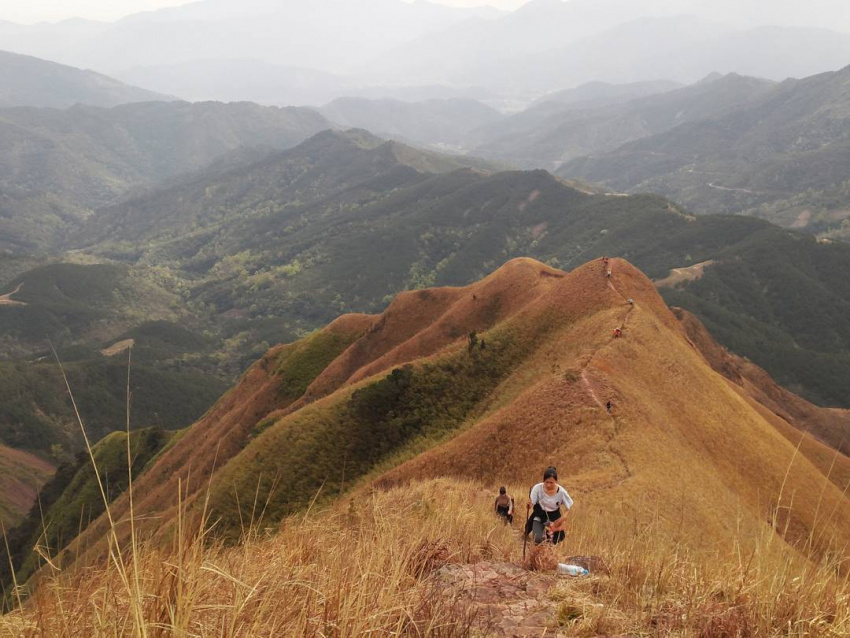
27	11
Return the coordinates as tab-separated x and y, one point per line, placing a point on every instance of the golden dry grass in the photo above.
371	567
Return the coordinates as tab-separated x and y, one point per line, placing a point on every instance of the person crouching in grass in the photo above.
505	505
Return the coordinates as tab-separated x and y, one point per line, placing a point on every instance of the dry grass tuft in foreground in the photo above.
376	566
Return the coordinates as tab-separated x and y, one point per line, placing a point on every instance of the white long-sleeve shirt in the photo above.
550	503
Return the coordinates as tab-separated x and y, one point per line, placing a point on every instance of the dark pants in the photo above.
502	510
538	526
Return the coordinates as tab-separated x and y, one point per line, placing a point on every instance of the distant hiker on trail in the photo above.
631	301
505	505
546	499
608	407
617	333
608	274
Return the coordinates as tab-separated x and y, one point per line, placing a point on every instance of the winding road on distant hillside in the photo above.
732	190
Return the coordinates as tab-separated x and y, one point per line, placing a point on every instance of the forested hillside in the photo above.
343	222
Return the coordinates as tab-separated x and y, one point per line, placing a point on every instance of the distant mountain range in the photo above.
29	81
300	52
534	51
318	34
58	166
555	130
782	156
438	123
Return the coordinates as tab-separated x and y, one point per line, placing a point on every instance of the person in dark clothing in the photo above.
505	505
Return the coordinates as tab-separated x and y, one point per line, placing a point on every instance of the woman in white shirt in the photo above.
547	498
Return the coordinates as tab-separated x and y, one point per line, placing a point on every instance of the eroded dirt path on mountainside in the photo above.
509	600
6	300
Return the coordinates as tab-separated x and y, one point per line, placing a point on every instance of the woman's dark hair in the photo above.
550	472
502	490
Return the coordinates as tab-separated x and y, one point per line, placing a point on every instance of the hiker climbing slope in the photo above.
547	498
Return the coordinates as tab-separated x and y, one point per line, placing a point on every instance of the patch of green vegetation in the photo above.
71	499
299	366
326	447
35	411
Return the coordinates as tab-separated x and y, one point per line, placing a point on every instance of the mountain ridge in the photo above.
777	157
29	81
546	368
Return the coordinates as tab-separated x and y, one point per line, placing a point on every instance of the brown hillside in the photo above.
831	426
681	445
702	455
21	476
420	323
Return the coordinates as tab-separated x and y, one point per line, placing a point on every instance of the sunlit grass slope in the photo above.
378	565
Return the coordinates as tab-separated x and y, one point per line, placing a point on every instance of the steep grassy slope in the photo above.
830	426
680	442
430	558
29	81
58	166
782	157
416	394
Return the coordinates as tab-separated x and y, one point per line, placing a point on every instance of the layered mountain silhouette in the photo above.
565	126
494	381
781	156
29	81
436	123
317	34
549	45
58	166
